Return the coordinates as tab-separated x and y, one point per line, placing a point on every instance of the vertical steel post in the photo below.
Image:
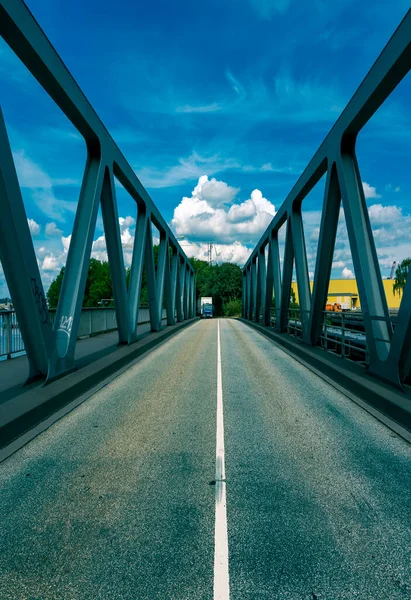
186	291
257	303
151	279
20	266
244	295
364	256
75	275
136	272
115	256
179	292
171	283
276	268
253	288
301	269
287	278
262	279
160	279
183	289
9	333
325	253
269	282
249	292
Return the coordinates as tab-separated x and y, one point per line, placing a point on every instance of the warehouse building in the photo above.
345	292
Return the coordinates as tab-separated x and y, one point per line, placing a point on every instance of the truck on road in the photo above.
205	307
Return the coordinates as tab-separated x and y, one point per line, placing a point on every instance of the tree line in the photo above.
221	282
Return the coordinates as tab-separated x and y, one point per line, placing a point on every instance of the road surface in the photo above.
118	500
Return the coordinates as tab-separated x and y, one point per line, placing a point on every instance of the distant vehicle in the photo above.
205	307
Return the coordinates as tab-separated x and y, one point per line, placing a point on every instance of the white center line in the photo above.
221	582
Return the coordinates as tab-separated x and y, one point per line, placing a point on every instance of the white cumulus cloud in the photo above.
34	227
52	229
235	253
211	214
383	215
99	248
347	274
66	242
50	263
369	191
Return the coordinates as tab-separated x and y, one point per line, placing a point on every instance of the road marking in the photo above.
221	582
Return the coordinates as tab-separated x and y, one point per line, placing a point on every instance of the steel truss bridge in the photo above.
389	351
51	350
230	460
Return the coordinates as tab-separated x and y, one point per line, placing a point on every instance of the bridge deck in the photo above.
114	501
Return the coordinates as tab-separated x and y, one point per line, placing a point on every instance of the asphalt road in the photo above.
117	500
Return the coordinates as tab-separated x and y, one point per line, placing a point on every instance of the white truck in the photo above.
205	307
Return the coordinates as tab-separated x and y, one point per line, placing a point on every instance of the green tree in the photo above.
232	308
401	276
53	293
98	285
222	282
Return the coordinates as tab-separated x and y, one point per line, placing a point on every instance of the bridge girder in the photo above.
389	351
51	350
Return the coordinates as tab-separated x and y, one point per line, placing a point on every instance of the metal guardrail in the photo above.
11	341
50	349
389	351
336	335
93	321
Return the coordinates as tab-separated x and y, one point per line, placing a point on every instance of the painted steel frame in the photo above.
51	350
389	352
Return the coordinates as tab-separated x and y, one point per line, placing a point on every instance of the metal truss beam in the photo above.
51	352
389	352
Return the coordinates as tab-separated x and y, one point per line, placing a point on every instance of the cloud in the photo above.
303	100
29	173
187	169
50	263
369	191
235	253
31	176
99	248
206	216
216	193
66	242
34	227
51	258
383	215
126	222
206	108
127	238
347	274
52	229
266	9
237	86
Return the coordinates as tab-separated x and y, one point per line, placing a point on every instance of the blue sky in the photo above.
240	91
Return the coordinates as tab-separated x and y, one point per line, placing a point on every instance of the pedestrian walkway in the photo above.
14	372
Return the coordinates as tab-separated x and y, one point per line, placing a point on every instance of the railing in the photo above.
389	351
336	335
93	321
51	350
11	341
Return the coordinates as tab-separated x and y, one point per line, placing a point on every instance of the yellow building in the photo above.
345	292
